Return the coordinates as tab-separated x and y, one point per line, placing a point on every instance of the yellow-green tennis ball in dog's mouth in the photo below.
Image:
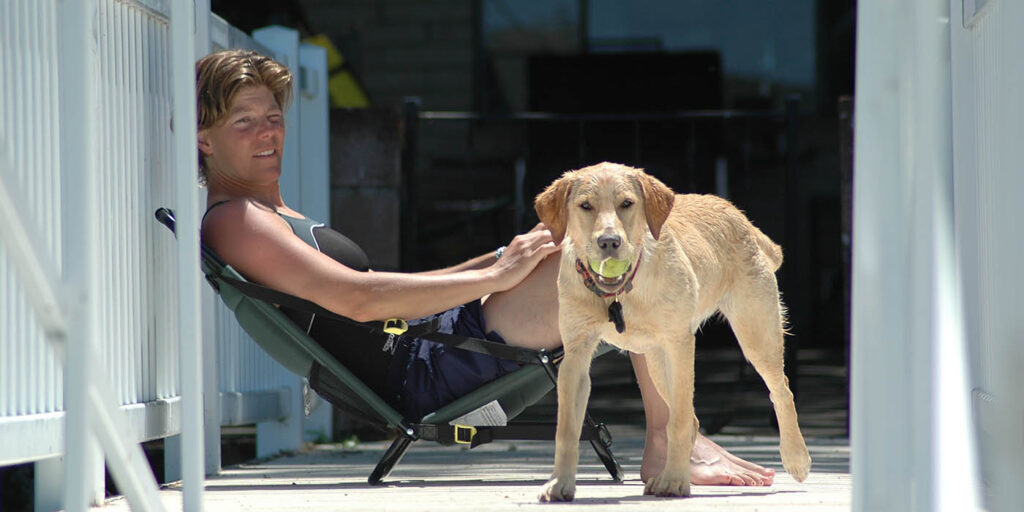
609	268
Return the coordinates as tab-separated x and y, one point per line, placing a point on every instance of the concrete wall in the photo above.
366	181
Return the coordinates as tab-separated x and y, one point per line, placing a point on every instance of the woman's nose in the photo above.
270	128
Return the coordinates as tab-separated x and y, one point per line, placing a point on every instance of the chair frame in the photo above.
268	326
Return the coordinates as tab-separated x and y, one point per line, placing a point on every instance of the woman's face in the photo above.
245	145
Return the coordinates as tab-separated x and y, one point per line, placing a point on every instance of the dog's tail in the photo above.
770	249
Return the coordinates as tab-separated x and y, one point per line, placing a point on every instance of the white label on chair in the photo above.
488	415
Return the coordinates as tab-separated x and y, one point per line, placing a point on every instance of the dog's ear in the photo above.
550	206
658	201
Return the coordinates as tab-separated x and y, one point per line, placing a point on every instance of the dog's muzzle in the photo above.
605	286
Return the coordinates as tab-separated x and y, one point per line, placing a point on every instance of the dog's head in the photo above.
606	210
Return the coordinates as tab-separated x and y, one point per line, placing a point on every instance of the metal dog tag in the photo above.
615	316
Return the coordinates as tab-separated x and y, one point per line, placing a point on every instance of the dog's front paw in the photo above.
796	460
668	485
558	489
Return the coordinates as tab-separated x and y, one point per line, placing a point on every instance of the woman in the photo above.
508	297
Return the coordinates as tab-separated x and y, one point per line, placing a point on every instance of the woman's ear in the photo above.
203	139
550	206
658	201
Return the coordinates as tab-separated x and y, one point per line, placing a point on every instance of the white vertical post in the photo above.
275	436
952	465
78	112
311	97
1004	249
186	208
311	100
211	382
284	42
911	431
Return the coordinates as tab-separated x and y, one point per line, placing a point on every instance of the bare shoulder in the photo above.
238	221
248	235
258	243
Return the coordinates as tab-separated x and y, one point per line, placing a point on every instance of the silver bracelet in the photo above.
499	252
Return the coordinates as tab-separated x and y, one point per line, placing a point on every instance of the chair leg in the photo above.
603	447
608	459
389	460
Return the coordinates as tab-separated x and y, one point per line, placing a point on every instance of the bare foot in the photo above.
710	464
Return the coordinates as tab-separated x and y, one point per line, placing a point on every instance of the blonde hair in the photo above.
219	77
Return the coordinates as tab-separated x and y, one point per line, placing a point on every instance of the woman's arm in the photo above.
260	245
482	261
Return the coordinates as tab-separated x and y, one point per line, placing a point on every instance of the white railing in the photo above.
29	376
137	321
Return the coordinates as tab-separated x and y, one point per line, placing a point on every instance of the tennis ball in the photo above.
610	267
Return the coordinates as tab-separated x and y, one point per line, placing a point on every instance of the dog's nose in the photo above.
609	242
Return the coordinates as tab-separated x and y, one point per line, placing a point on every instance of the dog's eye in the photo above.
586	205
627	203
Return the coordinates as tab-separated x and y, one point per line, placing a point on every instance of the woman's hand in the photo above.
540	226
521	256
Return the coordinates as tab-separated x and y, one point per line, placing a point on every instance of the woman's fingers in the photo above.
536	236
523	254
538	227
545	249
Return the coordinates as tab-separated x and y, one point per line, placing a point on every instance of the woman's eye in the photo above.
585	205
275	119
627	203
242	120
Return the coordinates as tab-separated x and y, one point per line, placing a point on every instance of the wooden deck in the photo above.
506	476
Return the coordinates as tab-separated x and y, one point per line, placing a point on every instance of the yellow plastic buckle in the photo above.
395	326
464	434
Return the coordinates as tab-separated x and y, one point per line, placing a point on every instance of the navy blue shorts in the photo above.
426	375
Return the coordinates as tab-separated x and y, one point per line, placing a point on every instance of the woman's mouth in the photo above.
269	152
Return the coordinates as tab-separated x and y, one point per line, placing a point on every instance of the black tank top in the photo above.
346	342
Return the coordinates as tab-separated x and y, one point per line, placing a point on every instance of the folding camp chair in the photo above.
254	308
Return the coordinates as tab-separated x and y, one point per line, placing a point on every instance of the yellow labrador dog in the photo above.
641	269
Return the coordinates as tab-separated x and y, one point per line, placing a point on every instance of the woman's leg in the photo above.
710	464
527	315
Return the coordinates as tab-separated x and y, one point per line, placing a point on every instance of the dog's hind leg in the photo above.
755	314
573	394
671	370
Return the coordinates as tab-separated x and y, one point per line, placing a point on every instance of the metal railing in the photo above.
521	163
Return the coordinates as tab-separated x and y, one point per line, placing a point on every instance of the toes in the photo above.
724	475
748	479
